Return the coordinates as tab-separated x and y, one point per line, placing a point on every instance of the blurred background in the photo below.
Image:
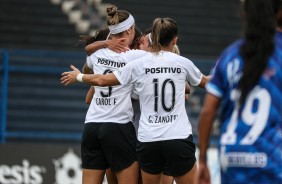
38	42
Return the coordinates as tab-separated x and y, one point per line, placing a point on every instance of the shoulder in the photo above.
133	55
230	53
232	49
134	52
177	59
103	51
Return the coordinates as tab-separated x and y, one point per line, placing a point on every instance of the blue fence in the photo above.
22	63
4	95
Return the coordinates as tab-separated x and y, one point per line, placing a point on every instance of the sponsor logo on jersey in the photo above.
163	70
242	159
107	62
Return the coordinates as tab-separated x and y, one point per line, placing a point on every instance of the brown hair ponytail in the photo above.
163	32
116	16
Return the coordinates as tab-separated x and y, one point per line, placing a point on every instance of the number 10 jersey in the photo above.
159	80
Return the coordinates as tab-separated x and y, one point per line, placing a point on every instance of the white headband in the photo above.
120	27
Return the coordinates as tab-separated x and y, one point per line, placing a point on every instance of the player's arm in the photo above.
89	95
187	91
187	88
204	81
117	45
92	79
86	69
206	120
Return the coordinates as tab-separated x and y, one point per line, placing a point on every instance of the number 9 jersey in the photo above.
251	135
111	104
159	80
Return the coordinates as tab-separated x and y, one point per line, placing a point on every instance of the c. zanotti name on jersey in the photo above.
162	119
163	70
111	63
106	101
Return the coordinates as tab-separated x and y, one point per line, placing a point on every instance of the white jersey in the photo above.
111	104
160	82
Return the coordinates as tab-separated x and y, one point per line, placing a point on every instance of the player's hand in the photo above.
70	76
203	175
118	45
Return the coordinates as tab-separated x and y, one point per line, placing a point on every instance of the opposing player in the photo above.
164	135
248	82
279	25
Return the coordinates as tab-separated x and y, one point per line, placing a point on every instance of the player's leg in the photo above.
180	160
111	177
129	174
150	178
90	176
119	145
166	179
187	178
94	162
151	161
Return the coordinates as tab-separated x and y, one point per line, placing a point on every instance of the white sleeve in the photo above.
134	93
89	62
125	75
134	54
194	76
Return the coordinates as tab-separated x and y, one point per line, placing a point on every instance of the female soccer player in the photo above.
248	82
100	35
101	40
164	135
143	42
109	138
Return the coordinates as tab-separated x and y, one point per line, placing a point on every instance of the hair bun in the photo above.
111	10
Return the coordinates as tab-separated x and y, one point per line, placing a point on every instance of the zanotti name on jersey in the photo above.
162	119
110	63
163	70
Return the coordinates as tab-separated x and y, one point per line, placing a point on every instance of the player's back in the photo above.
159	80
110	104
251	141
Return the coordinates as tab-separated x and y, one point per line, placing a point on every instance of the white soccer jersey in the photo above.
111	104
160	82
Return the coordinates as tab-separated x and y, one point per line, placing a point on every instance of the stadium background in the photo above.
38	40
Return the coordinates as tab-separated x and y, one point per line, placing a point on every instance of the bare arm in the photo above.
117	45
70	77
206	120
86	69
89	95
204	81
187	88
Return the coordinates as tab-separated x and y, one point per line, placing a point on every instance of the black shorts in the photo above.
172	157
107	145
